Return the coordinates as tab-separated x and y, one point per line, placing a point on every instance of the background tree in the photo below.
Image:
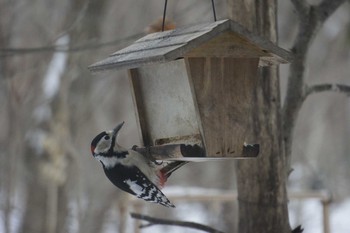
262	183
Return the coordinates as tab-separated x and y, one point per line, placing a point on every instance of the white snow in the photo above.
340	217
35	138
52	80
51	83
16	211
193	212
308	213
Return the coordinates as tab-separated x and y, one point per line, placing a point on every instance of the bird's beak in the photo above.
116	129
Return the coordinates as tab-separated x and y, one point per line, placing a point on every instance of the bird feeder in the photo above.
194	89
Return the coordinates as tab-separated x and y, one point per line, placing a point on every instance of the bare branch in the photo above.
146	225
341	88
158	221
78	48
311	18
327	8
322	11
79	16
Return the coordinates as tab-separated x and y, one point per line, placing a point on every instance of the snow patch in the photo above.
35	139
308	213
339	217
55	70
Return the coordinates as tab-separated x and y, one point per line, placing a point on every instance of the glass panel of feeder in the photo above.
168	105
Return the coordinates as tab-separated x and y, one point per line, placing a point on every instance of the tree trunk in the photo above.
261	183
35	206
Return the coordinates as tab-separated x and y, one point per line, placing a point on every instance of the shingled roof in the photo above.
224	38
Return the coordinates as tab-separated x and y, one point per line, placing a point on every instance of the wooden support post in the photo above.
138	207
123	214
325	208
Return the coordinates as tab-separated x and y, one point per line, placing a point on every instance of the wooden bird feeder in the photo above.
194	89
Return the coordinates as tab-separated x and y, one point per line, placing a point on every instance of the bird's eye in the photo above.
106	137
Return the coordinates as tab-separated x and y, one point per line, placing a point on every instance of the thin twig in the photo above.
158	221
64	48
327	8
341	88
146	225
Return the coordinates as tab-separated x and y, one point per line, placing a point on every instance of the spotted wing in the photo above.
133	181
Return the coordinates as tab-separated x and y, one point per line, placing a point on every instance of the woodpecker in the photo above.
131	171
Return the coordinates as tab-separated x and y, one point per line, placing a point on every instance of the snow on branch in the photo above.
158	221
341	88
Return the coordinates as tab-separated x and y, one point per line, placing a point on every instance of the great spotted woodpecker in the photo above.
131	171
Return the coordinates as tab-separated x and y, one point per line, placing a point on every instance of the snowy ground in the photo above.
307	212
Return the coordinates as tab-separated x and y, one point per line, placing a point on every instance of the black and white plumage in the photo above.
131	171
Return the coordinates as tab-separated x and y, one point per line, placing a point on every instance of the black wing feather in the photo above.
133	181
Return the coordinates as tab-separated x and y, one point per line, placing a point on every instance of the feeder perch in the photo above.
194	89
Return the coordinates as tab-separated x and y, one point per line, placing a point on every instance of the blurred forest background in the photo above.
52	107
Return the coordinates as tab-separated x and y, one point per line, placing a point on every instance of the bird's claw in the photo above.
150	157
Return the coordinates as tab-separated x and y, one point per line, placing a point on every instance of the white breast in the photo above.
108	162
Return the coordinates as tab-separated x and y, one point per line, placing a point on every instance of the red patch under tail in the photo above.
162	179
166	171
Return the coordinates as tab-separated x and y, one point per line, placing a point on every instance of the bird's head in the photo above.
105	143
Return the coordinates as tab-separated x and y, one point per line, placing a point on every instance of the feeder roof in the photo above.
224	38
